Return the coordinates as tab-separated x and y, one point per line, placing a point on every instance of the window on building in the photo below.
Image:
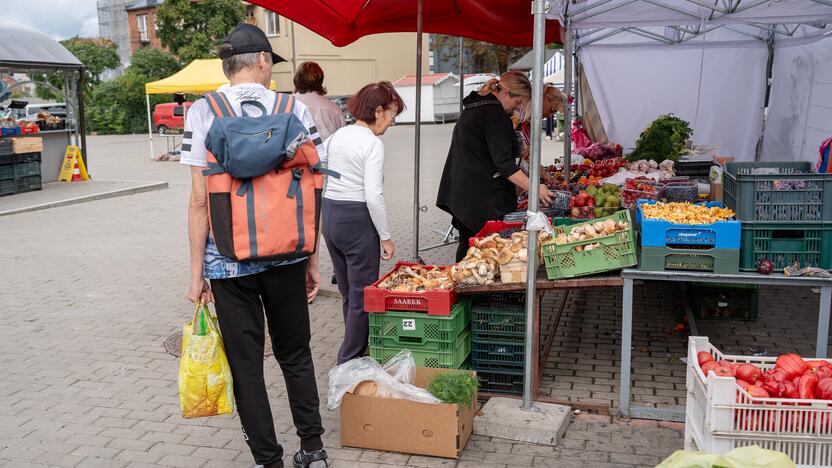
142	27
272	23
178	111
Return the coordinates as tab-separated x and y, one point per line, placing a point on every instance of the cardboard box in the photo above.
395	425
716	192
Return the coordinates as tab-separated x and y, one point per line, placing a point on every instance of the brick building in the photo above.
141	21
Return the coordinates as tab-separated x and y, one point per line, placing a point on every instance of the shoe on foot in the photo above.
314	459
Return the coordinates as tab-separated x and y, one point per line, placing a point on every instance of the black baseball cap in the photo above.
247	38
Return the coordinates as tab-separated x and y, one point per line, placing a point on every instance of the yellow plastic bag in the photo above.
205	387
742	457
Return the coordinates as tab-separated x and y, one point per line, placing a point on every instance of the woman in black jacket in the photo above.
481	172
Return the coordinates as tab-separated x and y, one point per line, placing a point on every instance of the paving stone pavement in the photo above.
90	293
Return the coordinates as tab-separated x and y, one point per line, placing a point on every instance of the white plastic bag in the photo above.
394	380
538	222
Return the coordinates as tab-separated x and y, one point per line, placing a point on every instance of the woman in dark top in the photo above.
481	172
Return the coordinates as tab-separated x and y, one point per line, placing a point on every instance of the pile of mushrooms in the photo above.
590	231
483	261
418	278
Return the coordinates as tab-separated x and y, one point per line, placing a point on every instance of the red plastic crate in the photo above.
438	302
494	226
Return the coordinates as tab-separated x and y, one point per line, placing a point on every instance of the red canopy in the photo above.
342	22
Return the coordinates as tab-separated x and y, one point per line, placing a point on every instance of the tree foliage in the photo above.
97	54
195	30
119	106
154	63
481	57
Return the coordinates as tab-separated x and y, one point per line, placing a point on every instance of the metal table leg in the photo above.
626	344
823	322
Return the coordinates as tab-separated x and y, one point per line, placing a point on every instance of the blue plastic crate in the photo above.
661	233
8	132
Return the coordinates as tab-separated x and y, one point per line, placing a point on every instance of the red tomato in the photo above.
790	390
709	366
806	387
771	385
743	384
824	389
776	374
792	364
704	357
758	392
814	365
727	364
723	372
824	373
748	372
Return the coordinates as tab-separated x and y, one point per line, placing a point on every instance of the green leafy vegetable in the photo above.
664	139
454	387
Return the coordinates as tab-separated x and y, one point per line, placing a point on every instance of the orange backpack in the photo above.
273	216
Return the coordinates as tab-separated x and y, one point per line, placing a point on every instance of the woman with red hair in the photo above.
353	207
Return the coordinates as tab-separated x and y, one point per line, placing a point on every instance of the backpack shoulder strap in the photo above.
283	103
220	105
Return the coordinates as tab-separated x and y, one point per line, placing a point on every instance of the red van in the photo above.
169	115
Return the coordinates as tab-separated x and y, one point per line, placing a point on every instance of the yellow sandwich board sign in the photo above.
73	168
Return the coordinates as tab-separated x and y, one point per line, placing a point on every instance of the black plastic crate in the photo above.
506	383
722	302
27	157
6	171
28	184
26	169
500	316
489	353
8	187
5	147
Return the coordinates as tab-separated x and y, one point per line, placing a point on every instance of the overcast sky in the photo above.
58	18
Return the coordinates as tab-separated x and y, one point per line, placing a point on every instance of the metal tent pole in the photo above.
461	73
539	11
567	111
294	58
149	125
418	132
82	121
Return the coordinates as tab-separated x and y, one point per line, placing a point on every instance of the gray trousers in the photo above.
355	250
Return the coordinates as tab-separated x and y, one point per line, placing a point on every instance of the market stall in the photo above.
198	77
50	134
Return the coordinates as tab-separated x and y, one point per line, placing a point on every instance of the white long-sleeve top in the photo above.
357	154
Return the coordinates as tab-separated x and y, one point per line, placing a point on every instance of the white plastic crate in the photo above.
721	416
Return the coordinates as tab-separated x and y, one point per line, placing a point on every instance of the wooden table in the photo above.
544	284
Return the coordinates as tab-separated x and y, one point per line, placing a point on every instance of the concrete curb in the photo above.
88	198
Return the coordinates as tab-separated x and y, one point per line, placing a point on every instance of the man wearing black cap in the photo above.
243	290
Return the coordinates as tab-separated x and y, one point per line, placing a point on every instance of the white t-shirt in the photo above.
326	114
357	154
200	119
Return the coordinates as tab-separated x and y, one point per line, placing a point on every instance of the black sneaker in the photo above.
314	459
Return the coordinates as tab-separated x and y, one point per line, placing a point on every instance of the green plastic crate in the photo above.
617	251
721	261
712	301
504	382
500	316
420	331
8	187
452	359
810	244
794	193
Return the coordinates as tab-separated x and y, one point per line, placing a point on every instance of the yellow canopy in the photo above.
200	76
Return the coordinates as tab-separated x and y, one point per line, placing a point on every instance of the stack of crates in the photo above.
786	213
499	328
19	172
438	341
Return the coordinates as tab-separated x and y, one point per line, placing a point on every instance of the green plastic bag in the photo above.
743	457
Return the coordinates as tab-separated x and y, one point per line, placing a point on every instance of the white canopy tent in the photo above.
708	61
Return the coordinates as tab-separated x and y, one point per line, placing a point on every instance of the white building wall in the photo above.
408	94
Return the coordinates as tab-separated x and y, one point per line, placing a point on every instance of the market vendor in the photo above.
481	172
553	100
